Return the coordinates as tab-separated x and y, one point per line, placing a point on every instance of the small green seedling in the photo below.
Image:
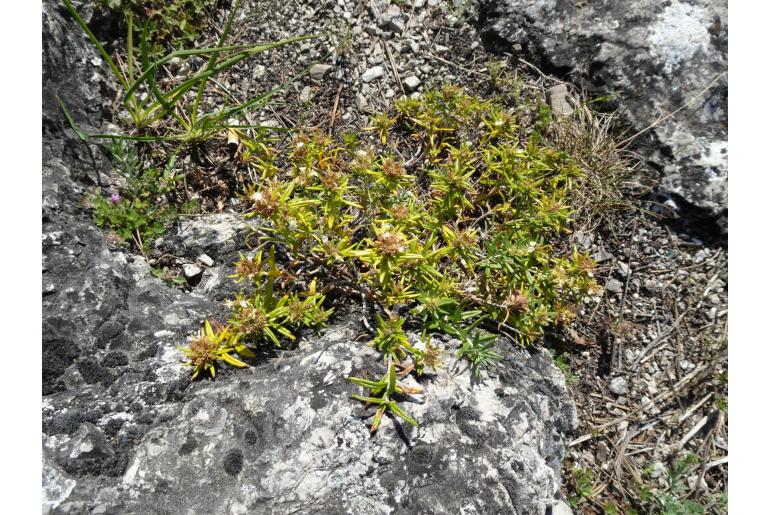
380	394
214	345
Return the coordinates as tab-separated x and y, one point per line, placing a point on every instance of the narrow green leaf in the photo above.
372	400
401	413
232	361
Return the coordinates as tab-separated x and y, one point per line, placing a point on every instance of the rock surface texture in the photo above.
656	55
124	431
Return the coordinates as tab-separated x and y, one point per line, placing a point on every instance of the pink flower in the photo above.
115	198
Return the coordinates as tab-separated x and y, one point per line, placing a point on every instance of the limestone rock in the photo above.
319	71
659	55
373	73
411	83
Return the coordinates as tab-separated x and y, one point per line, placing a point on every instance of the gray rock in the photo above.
601	255
392	20
205	260
658	469
614	286
361	102
373	73
660	55
583	239
305	94
411	83
319	71
263	441
558	100
192	272
561	508
619	386
85	452
219	234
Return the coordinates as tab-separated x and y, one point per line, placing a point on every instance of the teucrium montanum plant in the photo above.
461	237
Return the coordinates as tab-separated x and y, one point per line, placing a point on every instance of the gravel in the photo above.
619	386
373	73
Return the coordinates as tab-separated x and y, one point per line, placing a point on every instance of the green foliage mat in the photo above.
456	223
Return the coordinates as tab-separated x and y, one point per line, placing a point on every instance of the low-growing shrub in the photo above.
453	221
139	210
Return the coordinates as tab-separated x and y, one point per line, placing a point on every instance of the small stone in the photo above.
602	452
623	269
411	83
373	73
205	260
652	285
441	49
561	508
557	99
304	95
614	286
319	71
392	20
657	470
192	272
686	365
619	386
361	102
601	255
584	239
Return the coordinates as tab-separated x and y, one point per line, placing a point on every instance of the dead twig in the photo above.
334	109
656	341
662	119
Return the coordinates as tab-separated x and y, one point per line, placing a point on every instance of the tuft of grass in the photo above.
586	136
173	113
171	23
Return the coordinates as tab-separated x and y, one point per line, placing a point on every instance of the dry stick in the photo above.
692	432
450	63
656	341
716	463
715	430
543	75
692	409
662	396
660	120
622	452
622	306
393	65
409	21
600	303
334	109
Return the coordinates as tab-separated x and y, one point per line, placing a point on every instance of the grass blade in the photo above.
105	55
213	60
